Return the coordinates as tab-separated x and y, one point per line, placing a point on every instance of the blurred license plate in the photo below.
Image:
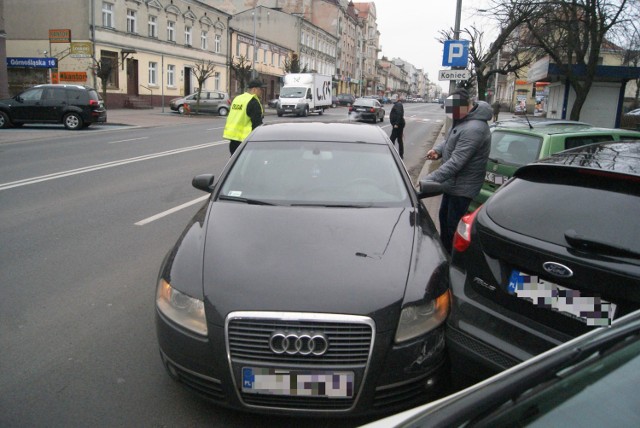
591	310
494	178
260	380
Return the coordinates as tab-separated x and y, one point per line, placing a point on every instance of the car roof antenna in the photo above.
526	117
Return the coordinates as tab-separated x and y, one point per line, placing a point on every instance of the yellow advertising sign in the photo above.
81	49
60	36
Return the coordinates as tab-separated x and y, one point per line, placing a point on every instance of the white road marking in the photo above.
171	211
213	129
56	175
125	141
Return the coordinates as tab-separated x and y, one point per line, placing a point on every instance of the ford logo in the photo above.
556	269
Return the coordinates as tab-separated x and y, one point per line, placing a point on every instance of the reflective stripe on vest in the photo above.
238	124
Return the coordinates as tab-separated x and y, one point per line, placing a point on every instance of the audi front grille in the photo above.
315	342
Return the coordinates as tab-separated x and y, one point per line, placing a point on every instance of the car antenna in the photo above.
526	117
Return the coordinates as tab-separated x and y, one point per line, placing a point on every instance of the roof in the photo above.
611	157
318	131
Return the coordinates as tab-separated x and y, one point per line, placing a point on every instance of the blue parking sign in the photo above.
456	53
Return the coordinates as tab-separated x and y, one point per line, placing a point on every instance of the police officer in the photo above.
246	115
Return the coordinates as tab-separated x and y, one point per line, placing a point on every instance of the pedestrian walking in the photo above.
246	115
496	110
464	153
396	117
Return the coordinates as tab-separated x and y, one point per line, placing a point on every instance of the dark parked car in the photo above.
554	253
366	109
346	99
314	263
573	385
75	106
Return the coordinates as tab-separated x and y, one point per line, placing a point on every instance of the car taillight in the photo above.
93	103
372	110
462	237
228	101
351	108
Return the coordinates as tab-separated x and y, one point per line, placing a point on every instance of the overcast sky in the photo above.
409	29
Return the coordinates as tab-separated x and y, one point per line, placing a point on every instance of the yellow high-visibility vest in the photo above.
238	124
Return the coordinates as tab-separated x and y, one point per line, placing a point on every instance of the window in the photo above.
131	21
171	75
153	26
216	81
264	56
217	43
203	40
107	14
171	31
187	35
153	73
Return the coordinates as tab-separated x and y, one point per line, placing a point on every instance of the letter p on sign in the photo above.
456	53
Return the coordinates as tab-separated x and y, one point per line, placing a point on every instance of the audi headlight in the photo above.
181	309
418	319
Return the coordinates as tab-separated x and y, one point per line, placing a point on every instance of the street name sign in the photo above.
32	62
454	75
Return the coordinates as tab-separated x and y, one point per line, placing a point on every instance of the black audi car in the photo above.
553	254
312	281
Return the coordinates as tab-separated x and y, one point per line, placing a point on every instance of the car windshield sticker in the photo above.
235	193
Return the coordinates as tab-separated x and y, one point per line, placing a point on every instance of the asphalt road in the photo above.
87	217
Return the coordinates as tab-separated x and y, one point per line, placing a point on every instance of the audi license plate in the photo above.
260	380
591	310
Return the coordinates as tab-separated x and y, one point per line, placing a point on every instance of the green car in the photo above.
515	145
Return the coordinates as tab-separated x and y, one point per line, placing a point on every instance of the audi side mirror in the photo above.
429	189
203	182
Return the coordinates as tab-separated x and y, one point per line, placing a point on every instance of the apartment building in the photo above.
151	47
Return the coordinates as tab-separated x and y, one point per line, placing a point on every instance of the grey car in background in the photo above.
210	102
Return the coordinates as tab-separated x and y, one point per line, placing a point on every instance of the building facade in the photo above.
146	50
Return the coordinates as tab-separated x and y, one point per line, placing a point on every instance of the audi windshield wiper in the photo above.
591	244
244	200
320	204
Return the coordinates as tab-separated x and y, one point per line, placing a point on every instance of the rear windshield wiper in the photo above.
245	200
591	244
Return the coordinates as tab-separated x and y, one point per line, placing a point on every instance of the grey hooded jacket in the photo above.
465	152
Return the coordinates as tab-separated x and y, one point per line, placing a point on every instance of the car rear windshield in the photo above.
593	205
513	148
317	173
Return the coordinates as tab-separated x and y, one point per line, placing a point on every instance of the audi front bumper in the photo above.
330	364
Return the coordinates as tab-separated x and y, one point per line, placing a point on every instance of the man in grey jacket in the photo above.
464	153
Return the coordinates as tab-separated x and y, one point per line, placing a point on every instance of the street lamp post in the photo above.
456	36
254	73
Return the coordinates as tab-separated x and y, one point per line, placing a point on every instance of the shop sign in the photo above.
60	36
81	49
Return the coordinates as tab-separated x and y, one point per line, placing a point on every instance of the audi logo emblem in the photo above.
298	343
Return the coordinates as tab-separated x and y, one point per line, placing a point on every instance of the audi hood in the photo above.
305	259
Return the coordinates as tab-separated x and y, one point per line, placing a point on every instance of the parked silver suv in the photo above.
210	102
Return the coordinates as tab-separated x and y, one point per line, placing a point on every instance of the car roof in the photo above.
318	131
365	101
536	123
621	157
63	85
565	128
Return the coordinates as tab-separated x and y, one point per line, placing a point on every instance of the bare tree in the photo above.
572	34
202	71
103	69
242	70
509	16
